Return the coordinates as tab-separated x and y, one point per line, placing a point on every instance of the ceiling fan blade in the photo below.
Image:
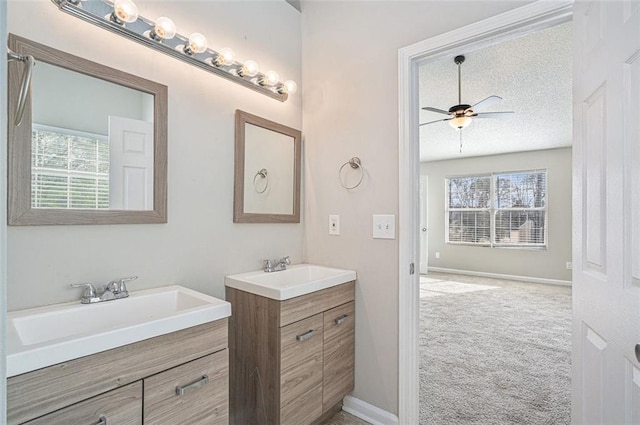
432	122
485	103
504	114
440	111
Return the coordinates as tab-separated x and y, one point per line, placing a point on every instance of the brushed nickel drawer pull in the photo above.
305	336
102	421
182	390
340	320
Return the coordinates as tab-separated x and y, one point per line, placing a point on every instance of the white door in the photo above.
424	230
131	164
606	204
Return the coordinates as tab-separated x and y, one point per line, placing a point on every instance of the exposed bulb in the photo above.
225	57
124	11
248	69
165	29
290	86
460	122
271	78
197	44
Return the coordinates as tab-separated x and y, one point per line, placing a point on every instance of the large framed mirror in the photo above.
92	145
267	171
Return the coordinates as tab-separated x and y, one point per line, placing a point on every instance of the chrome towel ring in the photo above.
25	86
265	175
355	163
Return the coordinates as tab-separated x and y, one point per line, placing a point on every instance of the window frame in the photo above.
493	211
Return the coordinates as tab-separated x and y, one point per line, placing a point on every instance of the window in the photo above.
500	209
69	169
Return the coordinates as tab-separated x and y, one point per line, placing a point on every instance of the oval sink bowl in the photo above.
296	281
44	336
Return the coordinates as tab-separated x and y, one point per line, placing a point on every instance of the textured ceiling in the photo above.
531	73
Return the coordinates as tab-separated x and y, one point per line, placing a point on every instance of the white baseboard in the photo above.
503	276
368	412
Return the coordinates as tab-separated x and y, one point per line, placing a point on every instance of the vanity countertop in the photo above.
295	281
44	336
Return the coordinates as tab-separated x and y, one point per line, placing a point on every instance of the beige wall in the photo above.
200	243
350	108
546	264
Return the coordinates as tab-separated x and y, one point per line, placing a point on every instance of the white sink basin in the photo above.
44	336
297	280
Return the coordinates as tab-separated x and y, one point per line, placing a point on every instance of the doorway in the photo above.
526	19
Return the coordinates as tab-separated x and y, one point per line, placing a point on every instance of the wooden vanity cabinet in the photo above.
291	361
137	384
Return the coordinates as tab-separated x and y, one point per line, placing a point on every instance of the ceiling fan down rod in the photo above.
459	60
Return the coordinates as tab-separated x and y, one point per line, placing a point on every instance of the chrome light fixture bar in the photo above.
161	36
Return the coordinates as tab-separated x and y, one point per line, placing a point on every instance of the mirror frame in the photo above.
19	152
239	215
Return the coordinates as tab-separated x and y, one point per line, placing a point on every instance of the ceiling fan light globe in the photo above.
460	122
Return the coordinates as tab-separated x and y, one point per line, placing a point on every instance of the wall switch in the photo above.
384	226
437	255
569	265
334	224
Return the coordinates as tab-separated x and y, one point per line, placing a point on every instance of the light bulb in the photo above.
248	69
165	29
460	122
291	86
225	57
124	11
197	44
271	78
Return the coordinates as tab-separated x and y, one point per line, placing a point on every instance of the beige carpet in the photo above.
494	352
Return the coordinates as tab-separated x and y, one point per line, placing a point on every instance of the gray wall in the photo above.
3	215
200	243
547	264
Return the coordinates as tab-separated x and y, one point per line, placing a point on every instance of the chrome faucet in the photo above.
276	265
113	290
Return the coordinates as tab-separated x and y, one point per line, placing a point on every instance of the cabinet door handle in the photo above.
305	336
182	390
102	421
340	320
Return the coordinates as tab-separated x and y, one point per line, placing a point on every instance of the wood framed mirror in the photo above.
267	171
92	146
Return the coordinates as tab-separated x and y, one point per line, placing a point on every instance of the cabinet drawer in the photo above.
339	354
204	400
122	407
299	308
301	371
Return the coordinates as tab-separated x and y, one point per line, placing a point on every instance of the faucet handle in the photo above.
89	290
285	260
122	287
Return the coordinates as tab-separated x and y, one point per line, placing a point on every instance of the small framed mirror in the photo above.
92	145
267	171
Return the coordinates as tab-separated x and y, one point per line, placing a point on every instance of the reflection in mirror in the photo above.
92	145
267	187
98	157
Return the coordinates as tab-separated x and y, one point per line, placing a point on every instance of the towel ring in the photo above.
265	175
355	163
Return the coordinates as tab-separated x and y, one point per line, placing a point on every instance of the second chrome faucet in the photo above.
276	265
113	290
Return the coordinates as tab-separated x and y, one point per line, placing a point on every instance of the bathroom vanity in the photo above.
179	377
292	344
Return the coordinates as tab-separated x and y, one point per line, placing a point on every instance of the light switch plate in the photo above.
334	224
384	226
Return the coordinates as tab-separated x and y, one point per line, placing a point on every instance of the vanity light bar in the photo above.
158	35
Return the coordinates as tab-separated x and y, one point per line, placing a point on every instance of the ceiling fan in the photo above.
462	114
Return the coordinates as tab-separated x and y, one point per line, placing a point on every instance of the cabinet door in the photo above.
122	407
339	354
301	371
195	393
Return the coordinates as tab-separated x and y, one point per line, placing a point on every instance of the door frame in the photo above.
522	20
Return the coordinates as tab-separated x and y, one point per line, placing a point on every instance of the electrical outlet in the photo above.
384	226
437	255
334	224
569	265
